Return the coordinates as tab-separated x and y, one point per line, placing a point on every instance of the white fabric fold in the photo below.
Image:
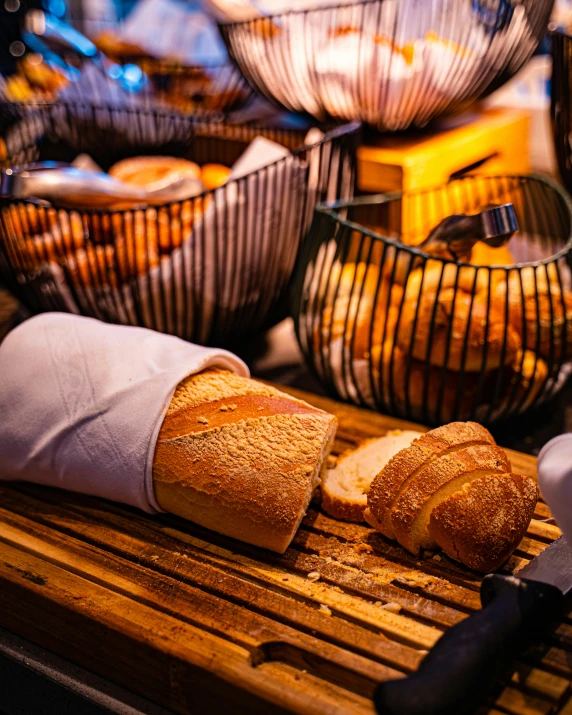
554	467
82	403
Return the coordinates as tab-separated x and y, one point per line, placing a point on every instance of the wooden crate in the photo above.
198	622
496	142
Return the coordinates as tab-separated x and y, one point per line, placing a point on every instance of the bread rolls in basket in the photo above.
414	332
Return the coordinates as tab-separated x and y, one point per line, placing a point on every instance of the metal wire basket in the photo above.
211	269
561	103
390	63
386	325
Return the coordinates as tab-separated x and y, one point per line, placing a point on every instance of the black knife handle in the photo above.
464	665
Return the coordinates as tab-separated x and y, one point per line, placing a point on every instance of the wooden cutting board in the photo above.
196	621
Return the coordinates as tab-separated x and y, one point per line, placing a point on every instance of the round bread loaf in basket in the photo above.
211	269
390	63
386	325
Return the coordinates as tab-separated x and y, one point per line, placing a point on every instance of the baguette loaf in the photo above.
453	488
240	458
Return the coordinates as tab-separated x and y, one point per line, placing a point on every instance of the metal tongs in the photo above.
70	186
454	237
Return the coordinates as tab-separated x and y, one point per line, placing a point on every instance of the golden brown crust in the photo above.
146	170
388	484
247	471
484	522
456	329
412	509
539	309
358	307
342	509
214	175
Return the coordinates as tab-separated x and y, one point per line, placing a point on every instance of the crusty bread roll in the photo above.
359	309
214	175
240	458
345	487
453	488
151	171
540	310
456	329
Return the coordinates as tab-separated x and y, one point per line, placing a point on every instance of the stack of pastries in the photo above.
108	249
442	340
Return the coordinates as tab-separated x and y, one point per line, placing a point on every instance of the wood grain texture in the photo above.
193	620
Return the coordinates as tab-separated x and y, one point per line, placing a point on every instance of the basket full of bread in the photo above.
401	304
390	63
173	223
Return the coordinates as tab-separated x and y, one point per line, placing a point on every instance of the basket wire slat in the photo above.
213	269
390	64
384	325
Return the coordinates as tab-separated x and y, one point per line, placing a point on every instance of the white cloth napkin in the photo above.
554	467
82	403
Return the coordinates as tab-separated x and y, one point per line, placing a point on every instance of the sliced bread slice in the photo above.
482	523
344	488
389	484
433	483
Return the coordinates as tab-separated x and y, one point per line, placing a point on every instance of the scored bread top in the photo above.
240	458
393	479
412	509
483	522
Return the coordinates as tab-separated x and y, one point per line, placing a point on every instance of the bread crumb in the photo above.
224	408
363	547
324	609
391	607
153	558
260	407
377	603
328	559
313	576
202	420
232	407
436	557
337	588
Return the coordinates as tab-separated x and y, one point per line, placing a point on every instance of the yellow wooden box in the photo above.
495	143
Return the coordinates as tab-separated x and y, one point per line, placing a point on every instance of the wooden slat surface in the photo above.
193	620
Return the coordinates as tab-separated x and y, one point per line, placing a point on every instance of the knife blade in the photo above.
467	661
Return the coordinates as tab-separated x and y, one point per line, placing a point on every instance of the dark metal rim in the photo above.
196	121
332	210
